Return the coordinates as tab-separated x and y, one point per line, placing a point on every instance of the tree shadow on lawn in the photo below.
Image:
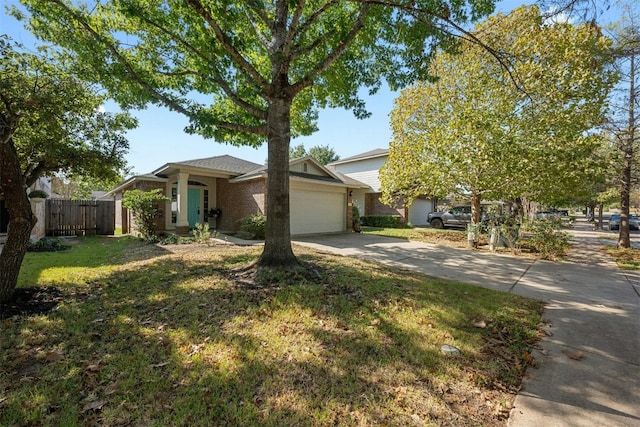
85	253
172	340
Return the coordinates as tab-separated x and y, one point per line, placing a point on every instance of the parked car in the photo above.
458	216
614	222
553	213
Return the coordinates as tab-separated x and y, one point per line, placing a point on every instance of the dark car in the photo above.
614	222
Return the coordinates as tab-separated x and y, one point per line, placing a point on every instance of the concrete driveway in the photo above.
589	365
499	272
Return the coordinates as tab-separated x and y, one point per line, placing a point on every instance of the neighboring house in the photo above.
318	196
365	168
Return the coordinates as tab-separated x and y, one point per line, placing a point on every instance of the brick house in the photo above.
365	168
319	197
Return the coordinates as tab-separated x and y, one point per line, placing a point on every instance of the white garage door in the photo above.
418	211
317	210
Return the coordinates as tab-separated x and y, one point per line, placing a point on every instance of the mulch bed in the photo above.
31	301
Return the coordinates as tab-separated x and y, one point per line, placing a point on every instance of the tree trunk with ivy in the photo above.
21	218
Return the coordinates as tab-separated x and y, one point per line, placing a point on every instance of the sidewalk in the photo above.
589	368
589	365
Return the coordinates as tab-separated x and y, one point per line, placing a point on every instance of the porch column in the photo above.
182	222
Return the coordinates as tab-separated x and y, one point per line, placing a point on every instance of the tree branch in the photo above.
216	78
132	73
243	64
337	53
461	33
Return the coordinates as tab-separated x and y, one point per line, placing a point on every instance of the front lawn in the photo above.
163	335
626	258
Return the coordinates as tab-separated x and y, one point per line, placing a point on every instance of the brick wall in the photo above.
239	200
373	206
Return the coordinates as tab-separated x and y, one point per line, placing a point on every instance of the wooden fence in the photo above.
79	217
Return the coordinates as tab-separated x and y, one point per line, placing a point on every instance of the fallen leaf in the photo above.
92	368
575	355
159	365
374	322
53	356
480	324
95	405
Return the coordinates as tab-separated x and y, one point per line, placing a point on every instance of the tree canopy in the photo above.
625	112
322	153
484	130
49	122
249	72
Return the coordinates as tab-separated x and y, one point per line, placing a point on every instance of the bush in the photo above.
173	239
48	244
252	227
144	206
201	233
547	240
383	221
355	219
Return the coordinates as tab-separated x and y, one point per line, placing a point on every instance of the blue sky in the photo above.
160	139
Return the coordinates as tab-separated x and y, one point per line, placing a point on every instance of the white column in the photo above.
183	185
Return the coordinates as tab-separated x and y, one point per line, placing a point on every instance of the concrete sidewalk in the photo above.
589	365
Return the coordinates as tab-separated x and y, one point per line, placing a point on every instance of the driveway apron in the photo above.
588	371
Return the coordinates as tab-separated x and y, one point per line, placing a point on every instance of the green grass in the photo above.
457	238
627	259
152	336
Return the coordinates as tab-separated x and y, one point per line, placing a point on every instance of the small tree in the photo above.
50	122
322	153
144	206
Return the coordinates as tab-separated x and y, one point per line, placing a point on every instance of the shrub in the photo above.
174	239
38	194
48	244
201	233
383	221
355	219
144	206
547	240
252	227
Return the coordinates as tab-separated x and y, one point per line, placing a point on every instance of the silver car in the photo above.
614	222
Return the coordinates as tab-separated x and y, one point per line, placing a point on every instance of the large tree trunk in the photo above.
277	244
21	219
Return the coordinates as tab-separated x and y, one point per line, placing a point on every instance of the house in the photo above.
319	196
365	168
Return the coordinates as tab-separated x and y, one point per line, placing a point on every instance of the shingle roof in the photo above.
378	152
223	163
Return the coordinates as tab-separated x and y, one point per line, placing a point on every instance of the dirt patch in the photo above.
31	301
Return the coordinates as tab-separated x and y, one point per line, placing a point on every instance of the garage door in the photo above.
317	211
418	211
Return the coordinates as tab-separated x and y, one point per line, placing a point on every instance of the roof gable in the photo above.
378	152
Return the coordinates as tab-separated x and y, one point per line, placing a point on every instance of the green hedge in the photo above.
382	221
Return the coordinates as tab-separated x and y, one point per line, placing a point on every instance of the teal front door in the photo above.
193	208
